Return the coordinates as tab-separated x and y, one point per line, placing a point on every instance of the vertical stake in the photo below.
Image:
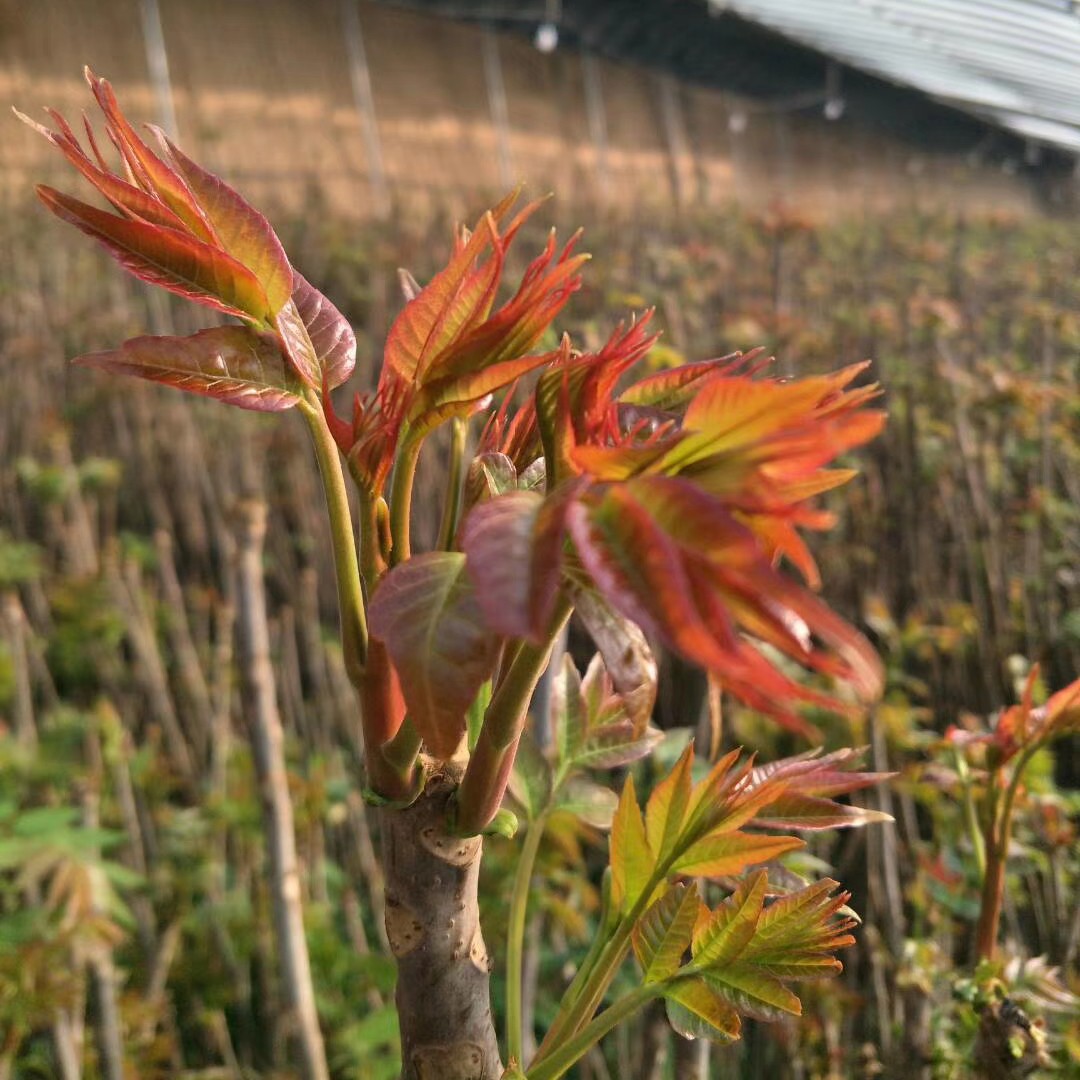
597	120
500	114
360	76
157	60
674	133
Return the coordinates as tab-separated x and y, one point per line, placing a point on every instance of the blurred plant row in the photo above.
133	909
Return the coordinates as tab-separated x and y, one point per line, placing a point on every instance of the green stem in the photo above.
998	835
571	1051
515	938
354	633
484	782
452	498
593	978
401	751
971	818
401	498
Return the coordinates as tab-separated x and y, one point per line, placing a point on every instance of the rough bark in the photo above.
268	749
433	924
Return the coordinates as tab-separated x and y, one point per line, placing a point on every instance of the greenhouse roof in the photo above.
983	77
1015	63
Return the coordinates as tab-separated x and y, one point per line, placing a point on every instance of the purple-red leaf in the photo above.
514	548
426	612
329	332
234	364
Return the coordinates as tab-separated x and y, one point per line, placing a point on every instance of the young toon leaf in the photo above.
591	727
810	783
328	330
514	547
666	809
753	993
696	1011
234	364
426	612
242	230
627	656
159	256
632	862
592	803
727	853
722	935
183	228
177	226
664	932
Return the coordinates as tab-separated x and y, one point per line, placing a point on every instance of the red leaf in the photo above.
168	258
234	364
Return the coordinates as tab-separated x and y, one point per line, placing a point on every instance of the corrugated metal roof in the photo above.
1015	63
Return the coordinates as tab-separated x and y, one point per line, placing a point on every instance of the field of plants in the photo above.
137	932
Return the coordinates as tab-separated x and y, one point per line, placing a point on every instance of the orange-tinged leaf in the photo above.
442	398
666	809
144	166
674	387
722	937
632	862
242	230
662	935
129	199
234	364
167	257
732	852
696	1011
456	299
426	612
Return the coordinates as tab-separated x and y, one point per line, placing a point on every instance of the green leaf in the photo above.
426	611
667	806
566	709
696	1011
731	852
752	992
725	933
631	860
234	364
664	932
592	802
531	780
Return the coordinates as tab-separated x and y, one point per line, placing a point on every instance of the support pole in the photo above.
597	121
500	113
360	76
675	135
157	60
